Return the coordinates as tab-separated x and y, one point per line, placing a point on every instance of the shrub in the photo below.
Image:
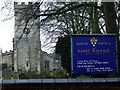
60	73
7	75
45	74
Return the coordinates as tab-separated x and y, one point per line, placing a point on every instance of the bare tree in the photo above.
65	18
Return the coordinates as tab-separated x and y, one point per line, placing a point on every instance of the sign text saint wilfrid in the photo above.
93	54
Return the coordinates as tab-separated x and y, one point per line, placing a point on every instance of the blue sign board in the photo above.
93	54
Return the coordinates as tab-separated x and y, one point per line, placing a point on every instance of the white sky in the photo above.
7	26
6	30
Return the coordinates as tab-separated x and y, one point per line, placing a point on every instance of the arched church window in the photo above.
46	64
27	64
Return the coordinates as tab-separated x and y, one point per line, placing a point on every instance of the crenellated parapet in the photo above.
23	11
25	4
20	6
10	52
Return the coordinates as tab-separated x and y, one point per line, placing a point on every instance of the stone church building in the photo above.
27	54
27	45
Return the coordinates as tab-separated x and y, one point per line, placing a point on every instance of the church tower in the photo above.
27	45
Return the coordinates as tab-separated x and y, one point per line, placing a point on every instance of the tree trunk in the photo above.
111	25
110	17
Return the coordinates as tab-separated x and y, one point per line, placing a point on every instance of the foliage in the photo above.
10	75
45	74
66	18
83	76
61	73
7	75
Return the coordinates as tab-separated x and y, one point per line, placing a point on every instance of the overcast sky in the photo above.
6	29
7	26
